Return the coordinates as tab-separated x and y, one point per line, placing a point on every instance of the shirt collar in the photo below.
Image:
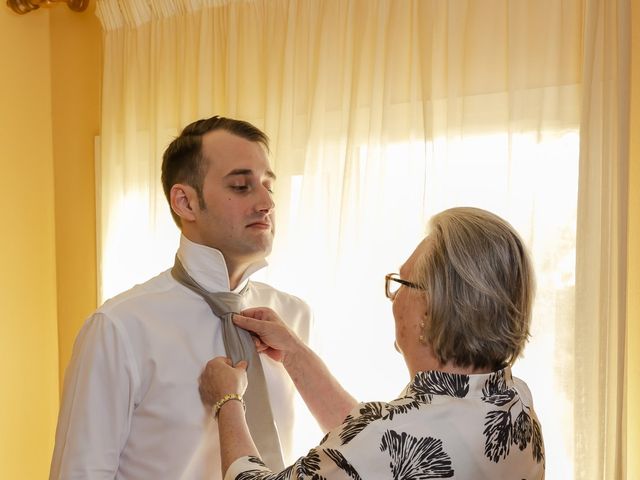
496	384
206	266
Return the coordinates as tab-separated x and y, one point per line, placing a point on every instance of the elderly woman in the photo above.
462	309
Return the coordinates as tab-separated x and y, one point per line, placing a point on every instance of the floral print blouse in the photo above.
443	426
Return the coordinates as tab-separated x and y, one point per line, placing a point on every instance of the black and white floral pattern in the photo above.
415	458
342	463
510	425
445	426
353	425
440	383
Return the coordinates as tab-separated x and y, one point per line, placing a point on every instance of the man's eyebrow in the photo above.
246	171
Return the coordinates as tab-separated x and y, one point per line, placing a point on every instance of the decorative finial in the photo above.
25	6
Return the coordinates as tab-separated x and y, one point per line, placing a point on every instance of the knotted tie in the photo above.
239	346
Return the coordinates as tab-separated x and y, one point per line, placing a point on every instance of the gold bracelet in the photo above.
225	399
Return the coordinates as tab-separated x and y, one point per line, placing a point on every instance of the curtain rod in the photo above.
25	6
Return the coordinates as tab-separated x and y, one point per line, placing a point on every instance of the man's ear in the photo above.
184	201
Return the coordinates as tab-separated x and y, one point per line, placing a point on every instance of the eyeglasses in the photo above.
393	282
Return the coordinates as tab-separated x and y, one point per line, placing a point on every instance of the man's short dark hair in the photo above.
183	161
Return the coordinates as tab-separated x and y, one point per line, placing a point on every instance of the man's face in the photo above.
238	218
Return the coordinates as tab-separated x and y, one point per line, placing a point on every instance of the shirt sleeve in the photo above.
97	403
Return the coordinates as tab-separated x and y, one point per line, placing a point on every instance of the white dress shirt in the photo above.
131	408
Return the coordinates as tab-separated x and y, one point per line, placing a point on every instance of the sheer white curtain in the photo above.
601	261
381	113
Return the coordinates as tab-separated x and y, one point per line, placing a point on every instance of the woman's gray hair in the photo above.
480	287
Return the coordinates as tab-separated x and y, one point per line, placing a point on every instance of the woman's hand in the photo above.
325	397
274	338
220	377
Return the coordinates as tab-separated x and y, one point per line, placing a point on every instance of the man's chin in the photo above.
259	250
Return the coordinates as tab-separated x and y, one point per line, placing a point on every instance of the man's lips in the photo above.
260	225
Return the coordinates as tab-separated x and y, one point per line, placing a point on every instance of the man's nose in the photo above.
265	201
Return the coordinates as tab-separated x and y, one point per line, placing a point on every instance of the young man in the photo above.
131	408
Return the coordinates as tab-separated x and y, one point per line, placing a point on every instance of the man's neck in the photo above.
236	271
237	268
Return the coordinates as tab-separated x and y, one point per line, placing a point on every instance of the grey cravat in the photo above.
239	346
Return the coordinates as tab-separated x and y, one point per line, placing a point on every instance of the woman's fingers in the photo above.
260	345
260	313
221	377
212	363
259	327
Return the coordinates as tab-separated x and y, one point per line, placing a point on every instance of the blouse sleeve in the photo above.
320	462
335	457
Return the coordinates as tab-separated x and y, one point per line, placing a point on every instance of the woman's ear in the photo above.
184	201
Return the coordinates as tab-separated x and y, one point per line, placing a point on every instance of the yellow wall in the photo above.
76	63
28	333
633	293
49	115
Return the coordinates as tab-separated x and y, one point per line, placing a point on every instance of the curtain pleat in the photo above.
601	256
